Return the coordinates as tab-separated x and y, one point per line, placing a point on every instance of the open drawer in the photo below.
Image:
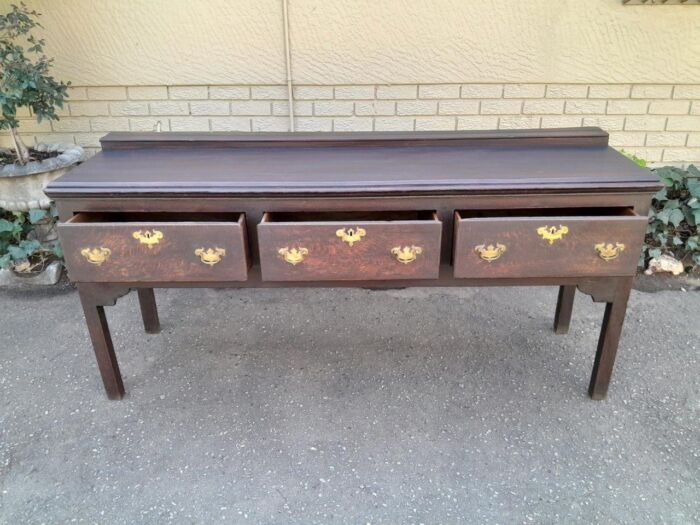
349	246
568	242
151	247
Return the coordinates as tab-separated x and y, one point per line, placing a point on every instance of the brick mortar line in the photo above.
375	86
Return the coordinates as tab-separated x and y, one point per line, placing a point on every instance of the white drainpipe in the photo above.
288	57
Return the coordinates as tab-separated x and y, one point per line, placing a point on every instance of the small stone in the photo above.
665	264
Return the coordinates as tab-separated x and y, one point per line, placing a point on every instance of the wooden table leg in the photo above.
149	311
565	304
102	345
609	339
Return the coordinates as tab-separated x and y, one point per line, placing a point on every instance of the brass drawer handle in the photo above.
407	254
148	237
351	235
210	256
293	255
96	255
490	253
608	251
552	233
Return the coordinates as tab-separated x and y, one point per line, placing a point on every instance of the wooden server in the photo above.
531	207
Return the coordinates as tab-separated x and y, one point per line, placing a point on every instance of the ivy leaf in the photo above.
16	253
668	182
669	175
693	242
36	214
696	258
677	241
677	174
694	187
671	204
664	215
661	195
642	260
6	226
655	252
676	217
58	250
5	261
30	245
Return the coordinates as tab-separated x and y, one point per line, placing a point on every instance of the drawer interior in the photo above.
548	212
143	217
353	216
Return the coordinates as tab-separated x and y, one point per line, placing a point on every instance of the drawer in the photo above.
349	246
143	247
547	242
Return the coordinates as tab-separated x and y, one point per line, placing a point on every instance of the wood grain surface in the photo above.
173	258
527	254
330	258
347	163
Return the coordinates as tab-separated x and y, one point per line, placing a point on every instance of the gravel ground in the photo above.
349	406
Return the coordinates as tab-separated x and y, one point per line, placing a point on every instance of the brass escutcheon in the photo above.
148	237
351	235
210	256
608	251
293	255
552	233
96	255
490	253
407	254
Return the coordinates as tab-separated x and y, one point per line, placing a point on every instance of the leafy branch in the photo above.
24	75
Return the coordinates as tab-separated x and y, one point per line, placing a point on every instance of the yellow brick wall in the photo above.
659	122
369	65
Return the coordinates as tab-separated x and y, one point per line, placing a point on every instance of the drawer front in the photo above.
154	251
547	246
340	251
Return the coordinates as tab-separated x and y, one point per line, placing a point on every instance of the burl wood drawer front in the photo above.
115	247
344	247
549	243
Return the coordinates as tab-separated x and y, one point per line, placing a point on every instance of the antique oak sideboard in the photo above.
501	208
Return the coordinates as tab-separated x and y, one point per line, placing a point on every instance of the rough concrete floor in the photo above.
349	406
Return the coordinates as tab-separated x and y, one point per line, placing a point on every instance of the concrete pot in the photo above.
48	277
22	187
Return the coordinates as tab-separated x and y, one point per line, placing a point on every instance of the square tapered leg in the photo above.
609	340
102	345
565	305
149	311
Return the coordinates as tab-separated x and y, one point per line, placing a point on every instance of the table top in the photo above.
353	163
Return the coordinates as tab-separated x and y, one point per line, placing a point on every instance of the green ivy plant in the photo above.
639	162
674	217
27	240
24	76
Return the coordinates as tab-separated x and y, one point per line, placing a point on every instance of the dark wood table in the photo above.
529	207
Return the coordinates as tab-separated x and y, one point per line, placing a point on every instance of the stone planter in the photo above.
22	187
48	277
